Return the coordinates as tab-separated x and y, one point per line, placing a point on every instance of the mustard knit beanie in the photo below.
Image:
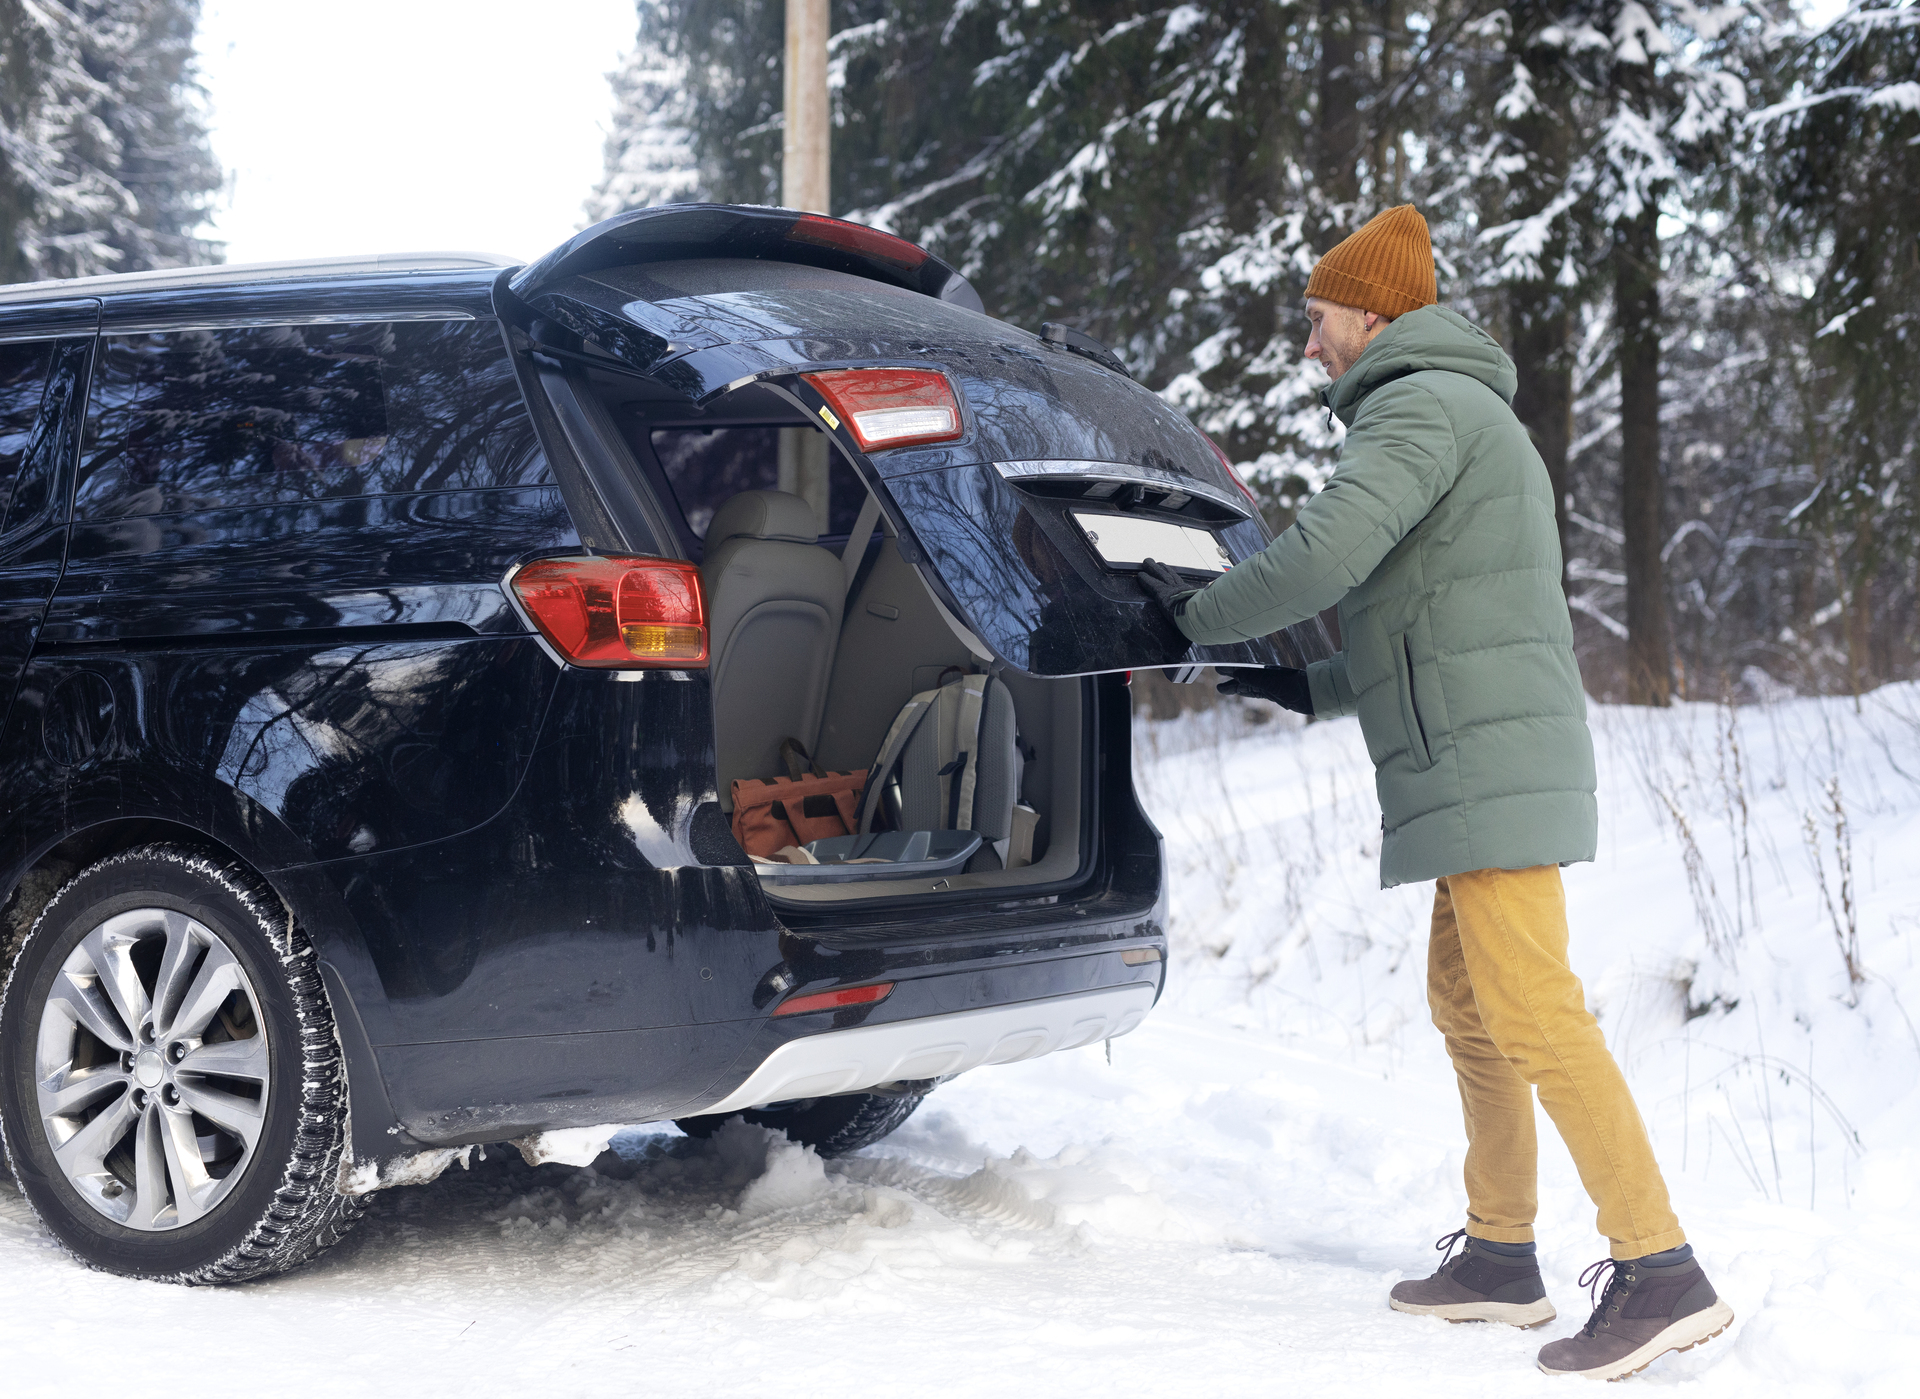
1385	267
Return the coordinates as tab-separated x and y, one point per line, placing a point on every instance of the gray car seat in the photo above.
774	600
951	761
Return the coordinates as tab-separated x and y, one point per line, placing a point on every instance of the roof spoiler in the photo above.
667	232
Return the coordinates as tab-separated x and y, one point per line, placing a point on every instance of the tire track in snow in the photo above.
985	1195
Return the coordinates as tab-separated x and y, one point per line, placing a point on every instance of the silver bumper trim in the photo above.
938	1046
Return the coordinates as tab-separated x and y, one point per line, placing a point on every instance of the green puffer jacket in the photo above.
1436	537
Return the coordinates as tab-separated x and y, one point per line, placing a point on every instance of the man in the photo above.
1436	537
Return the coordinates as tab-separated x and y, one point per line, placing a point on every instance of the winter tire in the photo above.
836	1126
172	1100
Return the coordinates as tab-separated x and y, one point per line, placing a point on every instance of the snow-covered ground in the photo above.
1220	1209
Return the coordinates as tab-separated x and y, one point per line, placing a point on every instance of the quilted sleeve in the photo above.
1400	457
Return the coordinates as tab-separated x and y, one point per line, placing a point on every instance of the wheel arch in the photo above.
294	1210
375	1128
33	883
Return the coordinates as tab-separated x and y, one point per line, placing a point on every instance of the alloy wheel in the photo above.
152	1069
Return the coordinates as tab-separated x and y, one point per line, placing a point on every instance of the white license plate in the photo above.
1125	540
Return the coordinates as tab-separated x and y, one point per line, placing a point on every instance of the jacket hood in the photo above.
1431	338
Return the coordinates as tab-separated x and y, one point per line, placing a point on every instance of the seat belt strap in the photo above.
904	724
856	550
972	719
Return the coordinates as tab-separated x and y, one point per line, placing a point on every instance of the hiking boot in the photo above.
1644	1313
1477	1286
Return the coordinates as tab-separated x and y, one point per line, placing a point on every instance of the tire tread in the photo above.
307	1215
837	1126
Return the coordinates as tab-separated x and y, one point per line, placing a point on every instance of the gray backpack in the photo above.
951	762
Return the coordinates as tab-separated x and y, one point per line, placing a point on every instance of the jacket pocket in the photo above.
1417	746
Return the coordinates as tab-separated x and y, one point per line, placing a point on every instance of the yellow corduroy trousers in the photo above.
1515	1019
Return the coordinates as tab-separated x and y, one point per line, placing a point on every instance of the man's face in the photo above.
1340	334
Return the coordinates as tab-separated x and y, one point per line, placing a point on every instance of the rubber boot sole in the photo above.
1525	1315
1684	1334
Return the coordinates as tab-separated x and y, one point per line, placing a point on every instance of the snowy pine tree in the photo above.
1604	113
1658	206
1846	135
649	150
104	161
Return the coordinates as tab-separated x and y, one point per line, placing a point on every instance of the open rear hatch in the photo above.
1028	526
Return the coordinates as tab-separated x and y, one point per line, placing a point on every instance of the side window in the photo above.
23	378
196	419
705	466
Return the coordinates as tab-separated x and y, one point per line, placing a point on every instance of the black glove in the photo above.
1284	685
1165	587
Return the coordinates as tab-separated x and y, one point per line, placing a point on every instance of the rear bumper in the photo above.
939	1046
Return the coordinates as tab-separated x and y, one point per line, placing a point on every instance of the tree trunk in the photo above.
1540	311
1386	156
1337	137
1857	618
1542	353
1636	303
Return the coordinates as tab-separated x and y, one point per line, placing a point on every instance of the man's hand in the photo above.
1284	685
1165	587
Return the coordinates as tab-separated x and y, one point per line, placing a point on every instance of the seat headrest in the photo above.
764	515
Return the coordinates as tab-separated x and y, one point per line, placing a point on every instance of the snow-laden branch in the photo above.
1580	602
1899	97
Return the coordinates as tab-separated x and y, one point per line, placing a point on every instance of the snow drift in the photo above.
1221	1209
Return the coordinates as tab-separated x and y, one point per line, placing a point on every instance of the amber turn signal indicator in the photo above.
835	1000
891	407
617	612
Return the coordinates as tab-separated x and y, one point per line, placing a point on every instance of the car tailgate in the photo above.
1029	528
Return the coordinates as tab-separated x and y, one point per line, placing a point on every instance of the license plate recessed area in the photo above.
1126	541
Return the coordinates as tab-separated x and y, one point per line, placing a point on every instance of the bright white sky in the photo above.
414	125
408	125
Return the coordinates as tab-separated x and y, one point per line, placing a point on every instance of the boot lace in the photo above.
1617	1285
1447	1243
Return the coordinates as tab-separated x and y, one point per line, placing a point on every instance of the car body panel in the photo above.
595	910
33	548
382	561
529	911
1021	575
987	513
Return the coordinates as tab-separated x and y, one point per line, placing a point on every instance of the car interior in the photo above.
820	630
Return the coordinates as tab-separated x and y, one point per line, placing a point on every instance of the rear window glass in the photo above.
23	377
190	419
706	466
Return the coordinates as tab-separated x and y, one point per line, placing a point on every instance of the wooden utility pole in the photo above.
805	167
805	174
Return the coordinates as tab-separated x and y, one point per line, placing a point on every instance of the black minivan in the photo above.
373	705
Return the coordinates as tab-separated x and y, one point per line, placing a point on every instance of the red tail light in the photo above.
1233	475
857	238
618	612
891	407
835	1000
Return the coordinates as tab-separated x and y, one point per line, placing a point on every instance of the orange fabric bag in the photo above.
770	815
